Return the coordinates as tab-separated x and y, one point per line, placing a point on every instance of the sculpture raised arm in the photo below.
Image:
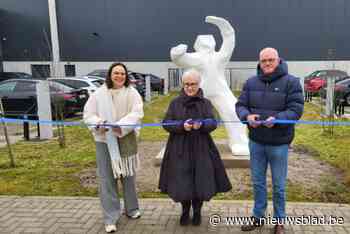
228	36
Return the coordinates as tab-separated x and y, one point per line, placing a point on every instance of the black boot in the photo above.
185	216
197	216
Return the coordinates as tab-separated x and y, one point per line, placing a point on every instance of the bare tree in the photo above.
3	123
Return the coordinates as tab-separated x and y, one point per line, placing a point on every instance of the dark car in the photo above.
318	79
100	73
19	97
342	91
14	75
88	77
157	83
79	83
137	81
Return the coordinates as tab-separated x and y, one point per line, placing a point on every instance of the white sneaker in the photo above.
110	228
136	215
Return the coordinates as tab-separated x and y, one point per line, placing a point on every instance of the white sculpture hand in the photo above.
223	24
215	20
212	19
178	50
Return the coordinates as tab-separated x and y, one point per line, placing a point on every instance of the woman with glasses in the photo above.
192	170
118	105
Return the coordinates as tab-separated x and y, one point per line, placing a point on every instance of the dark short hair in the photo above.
109	81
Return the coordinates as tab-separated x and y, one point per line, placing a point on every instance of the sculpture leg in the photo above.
225	105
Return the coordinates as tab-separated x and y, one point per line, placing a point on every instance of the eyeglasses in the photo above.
271	60
187	85
119	73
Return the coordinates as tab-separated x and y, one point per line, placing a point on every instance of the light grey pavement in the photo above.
83	215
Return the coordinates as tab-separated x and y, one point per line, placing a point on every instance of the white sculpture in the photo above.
211	65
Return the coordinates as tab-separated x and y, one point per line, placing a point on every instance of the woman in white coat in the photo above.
116	104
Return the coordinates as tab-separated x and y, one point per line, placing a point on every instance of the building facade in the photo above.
309	34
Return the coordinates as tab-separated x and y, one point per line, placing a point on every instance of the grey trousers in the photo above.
108	188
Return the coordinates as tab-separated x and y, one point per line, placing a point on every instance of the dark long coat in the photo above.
192	167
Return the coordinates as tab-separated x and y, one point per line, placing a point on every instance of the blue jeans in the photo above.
277	157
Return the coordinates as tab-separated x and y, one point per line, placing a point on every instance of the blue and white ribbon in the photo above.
171	122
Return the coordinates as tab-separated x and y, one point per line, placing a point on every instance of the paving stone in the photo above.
83	215
6	217
90	223
10	222
55	227
98	227
48	222
33	230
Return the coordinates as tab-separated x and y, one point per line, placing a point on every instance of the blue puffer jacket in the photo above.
279	95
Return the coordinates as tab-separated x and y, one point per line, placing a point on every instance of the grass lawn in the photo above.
318	141
332	148
47	169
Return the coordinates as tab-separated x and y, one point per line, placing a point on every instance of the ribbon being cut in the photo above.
173	122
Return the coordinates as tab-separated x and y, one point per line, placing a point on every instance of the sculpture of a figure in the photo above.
211	64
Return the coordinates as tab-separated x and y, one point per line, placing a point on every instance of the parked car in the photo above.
342	91
14	75
100	73
137	81
80	83
157	83
94	78
19	97
318	79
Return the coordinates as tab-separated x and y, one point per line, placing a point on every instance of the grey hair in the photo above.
269	49
191	72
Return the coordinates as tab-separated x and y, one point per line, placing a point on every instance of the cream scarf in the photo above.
107	109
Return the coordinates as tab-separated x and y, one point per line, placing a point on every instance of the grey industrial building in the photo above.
310	34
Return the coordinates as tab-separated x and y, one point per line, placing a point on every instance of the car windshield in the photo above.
25	75
137	76
344	82
101	73
58	87
77	84
98	83
155	79
7	87
311	75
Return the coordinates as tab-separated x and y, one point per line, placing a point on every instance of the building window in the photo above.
41	71
69	70
174	75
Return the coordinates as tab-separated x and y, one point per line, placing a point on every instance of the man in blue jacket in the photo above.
271	95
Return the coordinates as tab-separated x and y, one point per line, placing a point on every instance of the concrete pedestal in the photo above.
229	160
